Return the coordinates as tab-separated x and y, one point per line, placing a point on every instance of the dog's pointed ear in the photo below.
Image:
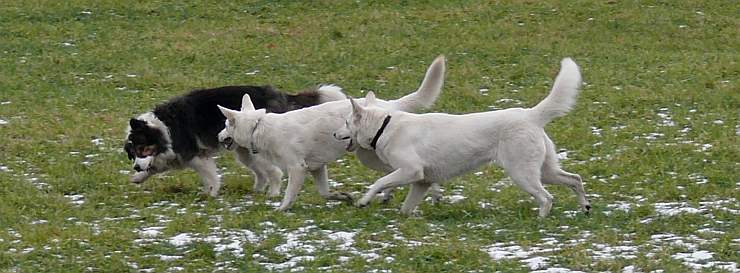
228	113
370	98
356	109
247	103
136	124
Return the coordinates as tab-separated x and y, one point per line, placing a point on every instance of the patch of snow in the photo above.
168	258
562	155
181	239
454	198
557	270
536	262
151	232
39	222
512	101
76	199
292	263
346	239
97	141
619	206
675	208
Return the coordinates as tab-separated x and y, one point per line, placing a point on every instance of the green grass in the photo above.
75	71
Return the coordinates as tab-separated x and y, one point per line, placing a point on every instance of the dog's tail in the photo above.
329	93
563	95
315	96
429	90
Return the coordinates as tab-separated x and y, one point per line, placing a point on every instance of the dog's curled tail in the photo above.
563	95
330	92
428	91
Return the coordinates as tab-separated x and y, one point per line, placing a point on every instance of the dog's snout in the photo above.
340	137
137	168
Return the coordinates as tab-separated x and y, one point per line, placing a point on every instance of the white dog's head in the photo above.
362	124
239	124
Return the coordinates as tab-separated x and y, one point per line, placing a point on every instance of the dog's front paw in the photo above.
273	193
139	177
436	198
210	191
362	203
282	208
411	213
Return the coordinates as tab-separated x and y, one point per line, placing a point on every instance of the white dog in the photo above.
301	141
432	148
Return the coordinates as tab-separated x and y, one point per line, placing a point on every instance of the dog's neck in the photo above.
380	131
252	146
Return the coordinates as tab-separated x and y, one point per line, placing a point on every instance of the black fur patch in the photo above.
143	135
195	115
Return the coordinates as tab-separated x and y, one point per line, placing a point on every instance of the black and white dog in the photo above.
183	132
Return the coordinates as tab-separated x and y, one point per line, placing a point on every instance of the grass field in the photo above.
654	135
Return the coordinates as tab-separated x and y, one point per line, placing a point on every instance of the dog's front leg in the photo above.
321	179
396	178
296	175
274	177
244	156
206	167
265	173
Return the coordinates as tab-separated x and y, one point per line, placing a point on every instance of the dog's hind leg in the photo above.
296	175
522	160
206	168
321	179
415	196
573	181
553	174
529	181
396	178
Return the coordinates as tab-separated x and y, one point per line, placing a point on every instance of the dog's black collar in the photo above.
380	131
251	137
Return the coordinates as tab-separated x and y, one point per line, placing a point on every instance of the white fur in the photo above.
301	141
432	148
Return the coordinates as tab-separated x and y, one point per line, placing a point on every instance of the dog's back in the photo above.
194	120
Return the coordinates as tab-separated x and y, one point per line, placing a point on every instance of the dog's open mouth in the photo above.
227	143
350	147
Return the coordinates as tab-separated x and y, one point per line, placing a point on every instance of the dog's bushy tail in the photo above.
428	91
563	95
329	93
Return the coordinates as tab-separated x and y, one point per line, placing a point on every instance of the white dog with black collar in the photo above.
424	149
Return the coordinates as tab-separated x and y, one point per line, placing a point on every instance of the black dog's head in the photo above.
143	140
